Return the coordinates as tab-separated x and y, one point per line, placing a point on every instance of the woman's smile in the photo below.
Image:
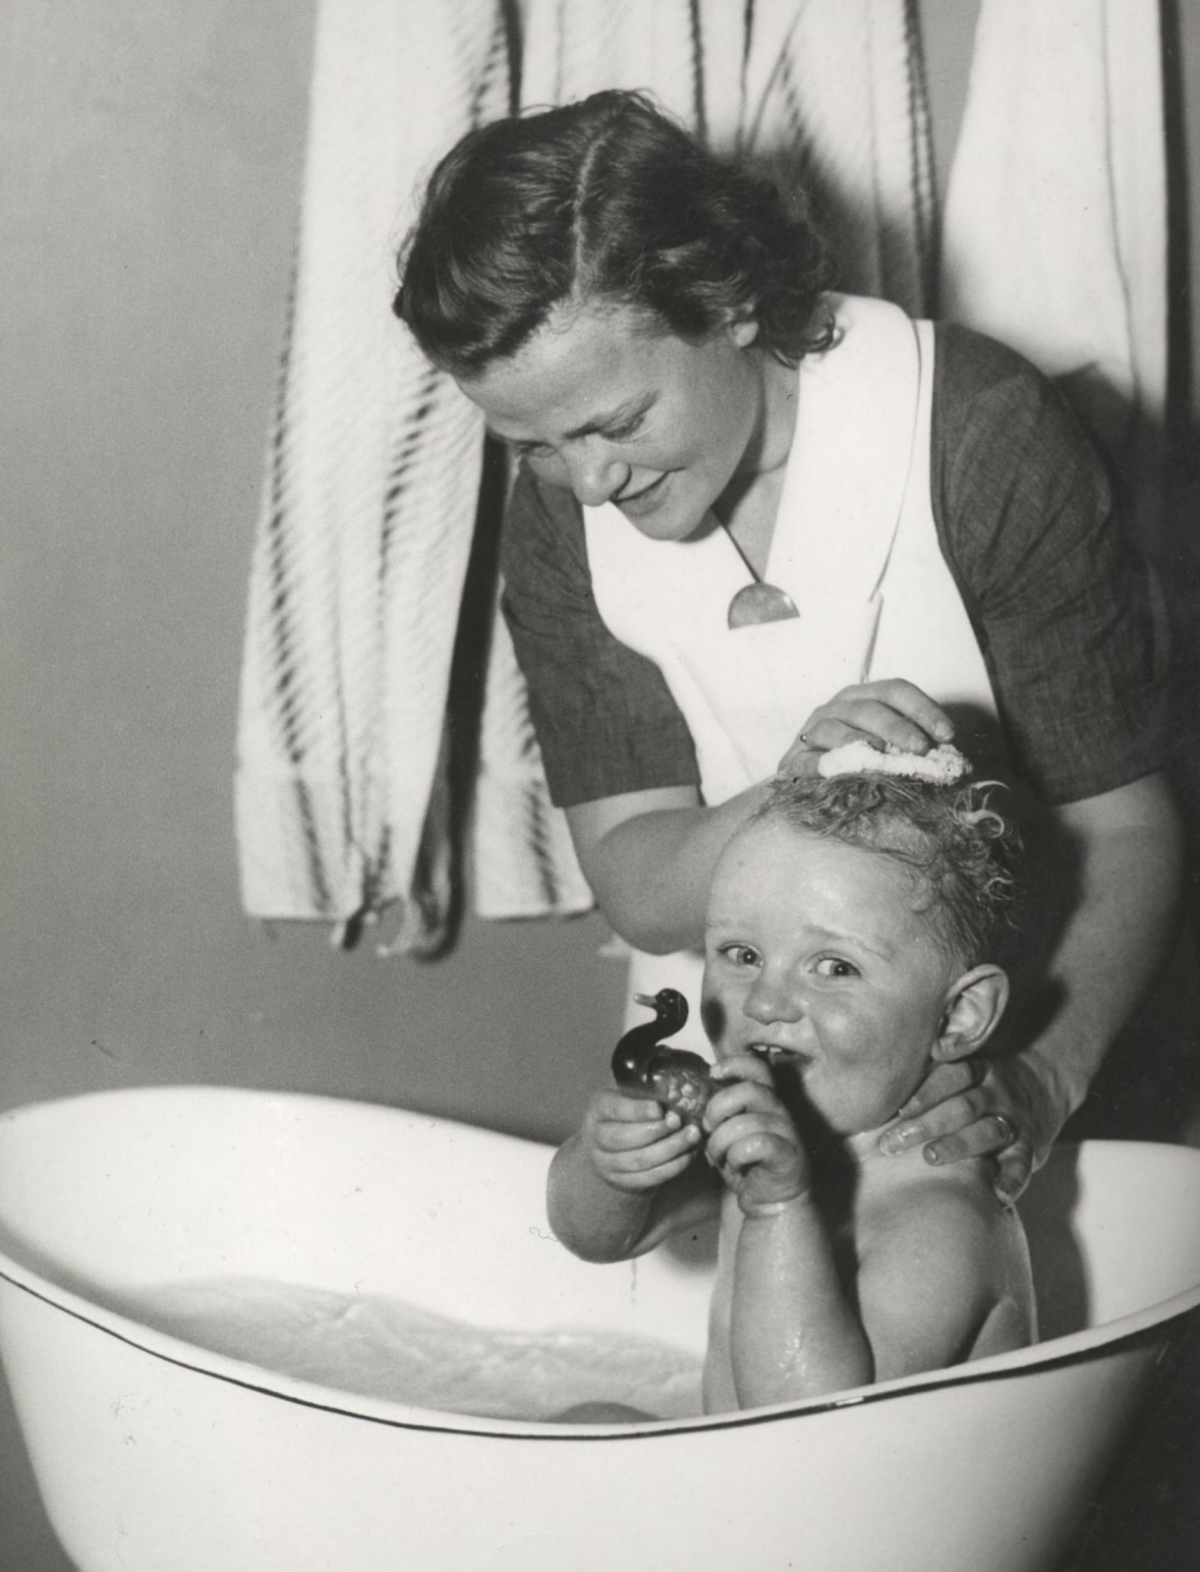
641	504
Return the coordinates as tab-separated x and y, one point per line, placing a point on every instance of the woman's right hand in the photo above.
888	713
997	1108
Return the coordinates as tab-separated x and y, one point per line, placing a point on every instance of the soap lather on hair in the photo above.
944	765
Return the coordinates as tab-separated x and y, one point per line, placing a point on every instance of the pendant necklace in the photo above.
758	601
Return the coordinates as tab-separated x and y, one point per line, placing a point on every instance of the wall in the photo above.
159	149
152	154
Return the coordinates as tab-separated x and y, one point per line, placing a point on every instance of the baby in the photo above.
847	930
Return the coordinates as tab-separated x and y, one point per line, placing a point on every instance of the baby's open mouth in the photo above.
776	1055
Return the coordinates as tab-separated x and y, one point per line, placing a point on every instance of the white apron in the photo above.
856	548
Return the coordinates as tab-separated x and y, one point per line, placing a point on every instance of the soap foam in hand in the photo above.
944	764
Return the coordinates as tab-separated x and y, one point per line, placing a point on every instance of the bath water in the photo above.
385	1348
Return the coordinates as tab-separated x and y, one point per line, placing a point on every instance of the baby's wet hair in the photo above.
962	852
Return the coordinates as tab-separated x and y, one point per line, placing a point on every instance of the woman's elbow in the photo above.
644	912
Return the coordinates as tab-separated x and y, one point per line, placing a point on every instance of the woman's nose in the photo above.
596	473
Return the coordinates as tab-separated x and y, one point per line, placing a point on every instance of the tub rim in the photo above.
1156	1322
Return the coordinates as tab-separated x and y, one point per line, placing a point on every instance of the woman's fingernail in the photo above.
944	730
897	1140
932	1155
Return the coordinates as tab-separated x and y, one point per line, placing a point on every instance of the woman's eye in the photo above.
835	966
627	429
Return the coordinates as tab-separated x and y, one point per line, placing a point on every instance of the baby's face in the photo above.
816	956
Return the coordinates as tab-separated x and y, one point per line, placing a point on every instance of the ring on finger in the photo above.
1008	1133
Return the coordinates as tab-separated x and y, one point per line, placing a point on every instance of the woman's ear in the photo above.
974	1005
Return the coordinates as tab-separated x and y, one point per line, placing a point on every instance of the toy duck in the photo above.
641	1064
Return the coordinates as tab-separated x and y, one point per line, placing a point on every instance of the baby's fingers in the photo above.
620	1135
646	1166
749	1096
751	1137
621	1144
743	1066
624	1108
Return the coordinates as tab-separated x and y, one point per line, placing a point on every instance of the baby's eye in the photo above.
741	954
835	966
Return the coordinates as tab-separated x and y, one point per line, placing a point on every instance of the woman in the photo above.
755	521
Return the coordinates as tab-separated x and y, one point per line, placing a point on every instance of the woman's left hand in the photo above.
995	1108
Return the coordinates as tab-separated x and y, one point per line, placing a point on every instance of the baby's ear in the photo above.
974	1005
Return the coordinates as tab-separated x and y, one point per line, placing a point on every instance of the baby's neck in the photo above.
863	1157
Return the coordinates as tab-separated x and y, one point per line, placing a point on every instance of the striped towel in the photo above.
350	729
371	488
830	94
1056	213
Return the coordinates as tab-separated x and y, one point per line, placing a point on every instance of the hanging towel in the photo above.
371	488
828	93
835	98
524	860
1055	229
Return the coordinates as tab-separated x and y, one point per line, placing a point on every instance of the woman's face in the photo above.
604	402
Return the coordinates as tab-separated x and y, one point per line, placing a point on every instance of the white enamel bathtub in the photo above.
153	1455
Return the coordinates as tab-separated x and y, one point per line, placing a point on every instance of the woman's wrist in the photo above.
1056	1084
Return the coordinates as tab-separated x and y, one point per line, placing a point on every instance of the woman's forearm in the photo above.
792	1331
1124	882
649	858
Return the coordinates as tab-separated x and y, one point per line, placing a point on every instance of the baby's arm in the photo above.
627	1179
793	1333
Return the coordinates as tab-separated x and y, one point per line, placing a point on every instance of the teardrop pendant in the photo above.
759	602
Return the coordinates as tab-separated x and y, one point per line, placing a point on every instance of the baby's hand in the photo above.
633	1144
754	1144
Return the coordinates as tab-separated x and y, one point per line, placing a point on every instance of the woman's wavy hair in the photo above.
605	199
964	856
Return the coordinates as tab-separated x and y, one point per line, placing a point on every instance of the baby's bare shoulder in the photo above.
952	1204
939	1258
